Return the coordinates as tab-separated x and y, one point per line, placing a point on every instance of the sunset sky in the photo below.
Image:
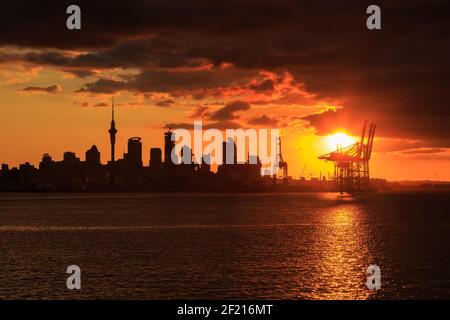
310	69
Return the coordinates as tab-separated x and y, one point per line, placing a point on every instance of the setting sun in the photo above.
339	139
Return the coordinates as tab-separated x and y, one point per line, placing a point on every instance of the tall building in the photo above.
134	156
46	161
4	170
186	155
168	146
155	157
229	152
70	159
93	156
155	165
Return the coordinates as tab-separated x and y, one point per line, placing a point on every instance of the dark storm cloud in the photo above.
169	81
104	23
142	53
398	76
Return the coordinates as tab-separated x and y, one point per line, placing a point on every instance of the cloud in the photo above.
263	86
101	104
50	89
170	81
263	121
425	151
200	111
229	111
325	121
95	105
164	102
221	119
179	125
103	86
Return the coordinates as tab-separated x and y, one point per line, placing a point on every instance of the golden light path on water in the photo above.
342	245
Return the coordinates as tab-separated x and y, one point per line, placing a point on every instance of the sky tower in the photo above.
112	133
112	138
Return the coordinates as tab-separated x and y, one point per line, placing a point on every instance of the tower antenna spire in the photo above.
113	108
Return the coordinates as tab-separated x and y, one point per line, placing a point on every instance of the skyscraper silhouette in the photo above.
93	156
155	157
134	156
168	146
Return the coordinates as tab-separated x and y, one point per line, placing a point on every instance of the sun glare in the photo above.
339	139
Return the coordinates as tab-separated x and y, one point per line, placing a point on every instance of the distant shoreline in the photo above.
229	191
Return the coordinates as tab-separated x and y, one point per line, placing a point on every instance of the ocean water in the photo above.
231	246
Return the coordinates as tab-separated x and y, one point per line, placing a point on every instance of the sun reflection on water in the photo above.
343	251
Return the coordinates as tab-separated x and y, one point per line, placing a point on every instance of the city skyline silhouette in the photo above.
130	174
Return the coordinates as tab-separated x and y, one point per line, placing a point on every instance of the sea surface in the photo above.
231	246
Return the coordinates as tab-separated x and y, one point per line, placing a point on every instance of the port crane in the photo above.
280	164
351	163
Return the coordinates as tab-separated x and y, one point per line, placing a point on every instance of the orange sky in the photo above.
37	123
